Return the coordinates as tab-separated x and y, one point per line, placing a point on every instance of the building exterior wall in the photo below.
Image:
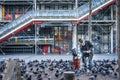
11	12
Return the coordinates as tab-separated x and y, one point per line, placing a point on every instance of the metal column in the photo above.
111	39
116	45
74	38
118	33
35	30
111	30
111	12
90	23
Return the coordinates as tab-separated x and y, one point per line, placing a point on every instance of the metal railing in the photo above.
31	39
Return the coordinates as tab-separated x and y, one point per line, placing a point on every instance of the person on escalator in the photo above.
86	50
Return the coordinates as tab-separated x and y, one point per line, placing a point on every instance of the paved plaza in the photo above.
82	76
32	57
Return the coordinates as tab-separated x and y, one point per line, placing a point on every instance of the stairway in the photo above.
36	17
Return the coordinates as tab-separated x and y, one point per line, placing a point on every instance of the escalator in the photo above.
37	17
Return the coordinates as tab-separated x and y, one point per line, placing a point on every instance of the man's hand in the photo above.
88	51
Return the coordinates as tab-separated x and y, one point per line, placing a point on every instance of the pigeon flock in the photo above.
54	70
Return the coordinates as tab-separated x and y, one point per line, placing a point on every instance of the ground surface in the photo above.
51	74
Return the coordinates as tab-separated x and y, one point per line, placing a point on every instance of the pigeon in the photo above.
95	75
103	72
31	69
1	77
77	72
114	62
62	78
115	74
91	78
94	70
57	74
88	72
29	78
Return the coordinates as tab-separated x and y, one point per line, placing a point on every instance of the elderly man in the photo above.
86	50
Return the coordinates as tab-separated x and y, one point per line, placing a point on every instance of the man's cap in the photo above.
80	40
